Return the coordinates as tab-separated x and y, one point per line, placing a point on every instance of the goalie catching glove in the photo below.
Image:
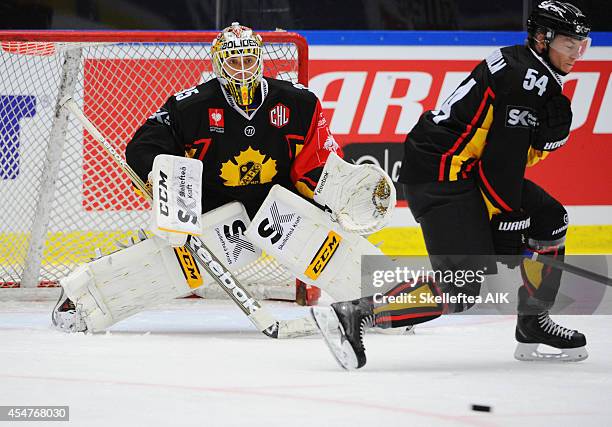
177	198
360	197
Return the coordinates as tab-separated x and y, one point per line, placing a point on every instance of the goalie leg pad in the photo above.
223	233
116	286
303	238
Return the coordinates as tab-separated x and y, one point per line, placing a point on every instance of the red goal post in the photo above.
63	198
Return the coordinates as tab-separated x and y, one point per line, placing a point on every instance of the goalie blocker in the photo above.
177	198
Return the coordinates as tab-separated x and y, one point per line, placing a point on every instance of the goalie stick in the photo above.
252	308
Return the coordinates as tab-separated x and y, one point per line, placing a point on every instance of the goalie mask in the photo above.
237	62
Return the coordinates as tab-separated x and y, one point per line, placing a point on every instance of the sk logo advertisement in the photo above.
274	230
234	236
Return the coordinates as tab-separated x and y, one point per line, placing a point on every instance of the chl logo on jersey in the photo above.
249	167
279	115
518	116
216	120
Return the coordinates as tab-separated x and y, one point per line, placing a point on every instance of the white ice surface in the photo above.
200	363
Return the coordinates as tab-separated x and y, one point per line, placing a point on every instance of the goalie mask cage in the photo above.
63	197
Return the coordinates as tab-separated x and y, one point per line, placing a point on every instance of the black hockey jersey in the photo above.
483	130
285	141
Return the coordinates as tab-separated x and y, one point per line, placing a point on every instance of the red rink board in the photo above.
358	100
578	174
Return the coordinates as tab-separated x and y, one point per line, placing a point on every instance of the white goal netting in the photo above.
63	197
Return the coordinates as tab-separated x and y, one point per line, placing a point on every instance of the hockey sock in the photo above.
407	304
540	282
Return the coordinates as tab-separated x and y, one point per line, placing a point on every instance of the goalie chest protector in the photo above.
243	157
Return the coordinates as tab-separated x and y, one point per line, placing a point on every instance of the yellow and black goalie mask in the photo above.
237	62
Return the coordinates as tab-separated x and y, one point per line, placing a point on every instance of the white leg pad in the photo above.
223	233
303	238
125	282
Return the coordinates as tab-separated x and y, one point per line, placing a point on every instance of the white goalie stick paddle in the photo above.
259	316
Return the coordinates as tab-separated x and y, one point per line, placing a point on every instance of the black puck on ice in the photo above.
481	408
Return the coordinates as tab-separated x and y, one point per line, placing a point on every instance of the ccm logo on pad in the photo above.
189	267
324	254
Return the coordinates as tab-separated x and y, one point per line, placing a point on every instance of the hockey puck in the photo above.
481	408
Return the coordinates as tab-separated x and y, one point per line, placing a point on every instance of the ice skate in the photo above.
534	330
65	316
405	330
343	325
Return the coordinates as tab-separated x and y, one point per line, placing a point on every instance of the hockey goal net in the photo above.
63	198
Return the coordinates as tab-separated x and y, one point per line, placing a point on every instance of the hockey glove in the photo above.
555	119
509	230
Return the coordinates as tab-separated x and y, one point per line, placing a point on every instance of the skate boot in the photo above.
343	326
65	316
533	330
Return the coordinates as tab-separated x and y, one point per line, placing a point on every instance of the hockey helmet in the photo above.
554	18
237	59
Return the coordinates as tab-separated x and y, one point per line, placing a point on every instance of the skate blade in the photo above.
333	335
406	330
530	353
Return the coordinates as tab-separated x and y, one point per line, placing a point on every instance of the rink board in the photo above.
373	86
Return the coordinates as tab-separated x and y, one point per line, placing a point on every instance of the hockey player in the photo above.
463	174
257	147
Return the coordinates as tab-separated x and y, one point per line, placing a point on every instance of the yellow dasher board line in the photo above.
62	248
582	239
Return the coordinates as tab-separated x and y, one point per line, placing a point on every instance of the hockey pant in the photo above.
455	225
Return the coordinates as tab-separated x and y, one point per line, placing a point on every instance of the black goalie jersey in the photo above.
484	129
285	141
